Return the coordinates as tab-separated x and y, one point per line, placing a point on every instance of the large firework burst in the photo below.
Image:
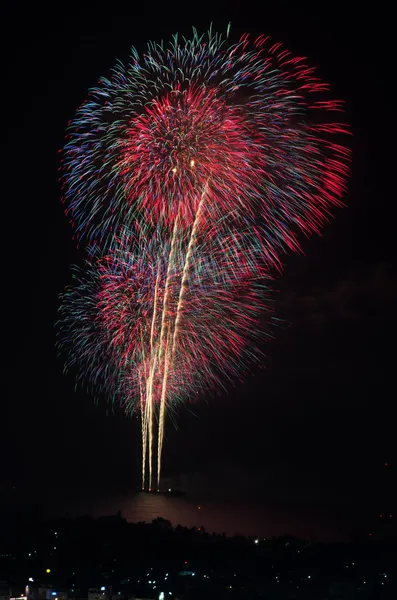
250	121
148	329
215	155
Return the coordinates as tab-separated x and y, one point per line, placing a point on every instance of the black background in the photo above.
317	424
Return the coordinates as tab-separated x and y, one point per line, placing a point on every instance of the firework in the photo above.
249	121
151	325
192	170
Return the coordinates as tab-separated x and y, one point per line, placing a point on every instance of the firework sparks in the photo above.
170	324
192	169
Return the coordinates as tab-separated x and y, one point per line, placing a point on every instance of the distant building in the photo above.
4	590
102	593
49	593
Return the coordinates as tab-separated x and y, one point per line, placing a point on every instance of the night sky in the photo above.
316	425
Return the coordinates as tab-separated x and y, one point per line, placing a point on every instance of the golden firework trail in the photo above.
170	350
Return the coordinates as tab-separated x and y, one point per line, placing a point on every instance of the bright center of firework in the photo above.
182	137
181	128
180	142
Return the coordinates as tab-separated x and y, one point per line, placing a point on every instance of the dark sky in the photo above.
317	424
